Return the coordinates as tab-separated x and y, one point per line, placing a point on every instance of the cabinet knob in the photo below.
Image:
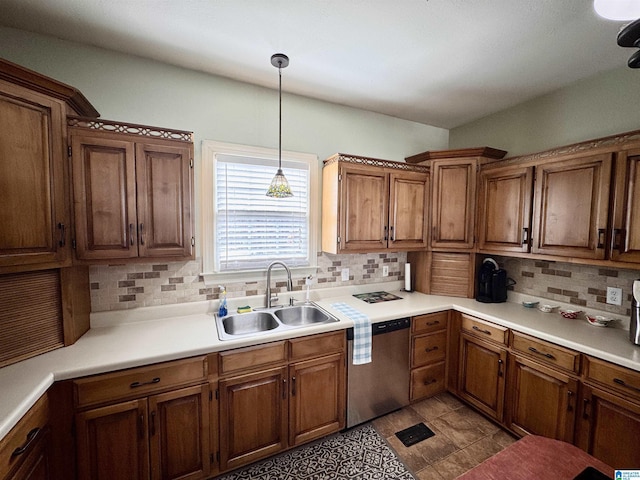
601	237
62	229
142	234
431	349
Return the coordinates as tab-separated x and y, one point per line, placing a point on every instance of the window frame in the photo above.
212	148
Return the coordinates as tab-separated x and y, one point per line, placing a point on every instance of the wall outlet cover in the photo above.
385	270
614	296
345	274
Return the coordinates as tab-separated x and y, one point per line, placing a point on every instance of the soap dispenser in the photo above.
222	309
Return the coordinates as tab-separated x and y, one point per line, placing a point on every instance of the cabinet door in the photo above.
164	183
253	417
317	401
504	209
481	377
104	189
179	433
364	195
571	207
609	428
408	201
542	401
454	200
33	204
626	205
112	442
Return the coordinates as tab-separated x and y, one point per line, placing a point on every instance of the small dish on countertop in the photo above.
546	308
600	320
529	303
570	313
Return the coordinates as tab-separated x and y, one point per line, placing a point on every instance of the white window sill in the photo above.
213	279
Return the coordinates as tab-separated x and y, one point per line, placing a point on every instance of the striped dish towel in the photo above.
361	333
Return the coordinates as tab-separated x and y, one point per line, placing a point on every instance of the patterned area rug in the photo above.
359	454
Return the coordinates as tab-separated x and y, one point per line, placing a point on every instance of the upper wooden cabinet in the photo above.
370	205
132	193
626	205
571	207
504	208
34	208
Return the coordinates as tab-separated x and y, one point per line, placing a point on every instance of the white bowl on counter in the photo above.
599	320
546	308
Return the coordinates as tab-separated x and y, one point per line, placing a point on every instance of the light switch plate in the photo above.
614	296
385	270
345	274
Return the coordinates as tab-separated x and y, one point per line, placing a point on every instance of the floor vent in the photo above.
412	435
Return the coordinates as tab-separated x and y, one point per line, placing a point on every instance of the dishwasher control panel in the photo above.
385	327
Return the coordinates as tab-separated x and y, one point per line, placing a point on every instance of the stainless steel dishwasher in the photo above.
381	386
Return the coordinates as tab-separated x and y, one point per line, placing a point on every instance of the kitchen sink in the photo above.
251	322
270	320
303	315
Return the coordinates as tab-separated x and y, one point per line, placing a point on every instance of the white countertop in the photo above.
144	336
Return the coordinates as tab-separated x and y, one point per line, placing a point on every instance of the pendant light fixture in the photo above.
279	187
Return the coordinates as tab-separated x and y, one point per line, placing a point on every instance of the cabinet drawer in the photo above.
546	352
20	439
615	377
431	322
485	330
137	382
427	381
250	358
316	345
428	349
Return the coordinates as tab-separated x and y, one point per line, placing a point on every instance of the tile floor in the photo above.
463	438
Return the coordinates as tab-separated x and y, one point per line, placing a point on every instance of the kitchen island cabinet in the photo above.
133	194
372	205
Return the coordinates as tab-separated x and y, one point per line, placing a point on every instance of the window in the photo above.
244	230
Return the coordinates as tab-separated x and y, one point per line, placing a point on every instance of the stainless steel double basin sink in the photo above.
270	320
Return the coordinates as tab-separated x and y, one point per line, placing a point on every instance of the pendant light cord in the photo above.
280	117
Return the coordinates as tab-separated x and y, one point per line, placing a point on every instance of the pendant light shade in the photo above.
279	187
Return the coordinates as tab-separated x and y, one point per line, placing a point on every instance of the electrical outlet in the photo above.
345	274
614	296
385	270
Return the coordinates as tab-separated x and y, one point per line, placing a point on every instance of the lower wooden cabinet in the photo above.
428	354
35	465
164	436
481	375
264	410
540	400
609	428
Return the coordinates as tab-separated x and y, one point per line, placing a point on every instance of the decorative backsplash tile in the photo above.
121	287
580	285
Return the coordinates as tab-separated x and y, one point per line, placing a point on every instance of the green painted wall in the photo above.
133	89
602	105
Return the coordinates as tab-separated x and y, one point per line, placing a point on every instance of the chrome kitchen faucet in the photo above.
289	283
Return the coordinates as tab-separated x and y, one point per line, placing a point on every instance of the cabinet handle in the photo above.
141	384
569	405
478	329
585	404
142	234
31	436
618	239
293	386
131	234
525	235
548	355
385	233
141	426
284	388
430	381
432	349
153	423
391	231
62	229
500	373
622	383
435	322
601	237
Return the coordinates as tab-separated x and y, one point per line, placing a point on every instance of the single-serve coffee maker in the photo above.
634	327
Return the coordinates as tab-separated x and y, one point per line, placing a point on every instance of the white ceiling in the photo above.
439	62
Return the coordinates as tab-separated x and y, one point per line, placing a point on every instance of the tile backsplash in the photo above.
581	285
119	287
